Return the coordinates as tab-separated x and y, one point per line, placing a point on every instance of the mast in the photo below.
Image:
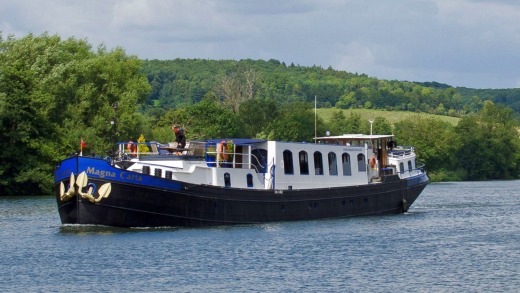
315	120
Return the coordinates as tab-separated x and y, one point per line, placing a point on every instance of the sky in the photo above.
466	43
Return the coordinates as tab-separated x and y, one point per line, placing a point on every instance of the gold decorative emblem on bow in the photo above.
81	182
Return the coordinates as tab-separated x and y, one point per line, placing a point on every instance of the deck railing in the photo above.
401	152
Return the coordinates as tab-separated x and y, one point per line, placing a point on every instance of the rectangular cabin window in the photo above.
288	168
249	179
304	163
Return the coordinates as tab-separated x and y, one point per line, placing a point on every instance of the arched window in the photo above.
318	163
304	163
333	164
401	167
288	168
410	166
345	159
361	164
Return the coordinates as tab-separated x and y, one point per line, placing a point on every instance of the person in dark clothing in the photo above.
180	138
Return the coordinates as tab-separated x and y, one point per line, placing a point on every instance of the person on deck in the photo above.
180	138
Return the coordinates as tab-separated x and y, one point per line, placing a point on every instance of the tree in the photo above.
257	115
346	100
295	123
381	126
434	140
353	123
490	144
238	87
208	119
338	123
52	93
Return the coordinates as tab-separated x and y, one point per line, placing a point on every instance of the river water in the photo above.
457	237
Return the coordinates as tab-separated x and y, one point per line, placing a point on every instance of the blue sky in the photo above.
470	43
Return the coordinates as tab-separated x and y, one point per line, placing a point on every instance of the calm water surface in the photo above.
458	237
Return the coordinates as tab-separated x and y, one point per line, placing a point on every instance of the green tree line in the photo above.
55	92
181	82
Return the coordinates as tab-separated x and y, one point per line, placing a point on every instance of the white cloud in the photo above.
474	43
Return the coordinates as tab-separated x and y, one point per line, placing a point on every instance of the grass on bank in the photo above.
391	116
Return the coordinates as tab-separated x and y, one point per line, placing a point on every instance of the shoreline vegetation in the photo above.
56	93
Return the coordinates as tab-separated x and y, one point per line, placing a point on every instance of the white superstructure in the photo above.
336	161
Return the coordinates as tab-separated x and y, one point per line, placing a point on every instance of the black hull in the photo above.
133	205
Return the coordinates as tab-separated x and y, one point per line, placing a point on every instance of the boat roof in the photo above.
355	137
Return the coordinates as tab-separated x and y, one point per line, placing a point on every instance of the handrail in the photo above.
396	153
259	163
421	168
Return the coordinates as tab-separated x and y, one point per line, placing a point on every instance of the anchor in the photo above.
70	193
82	182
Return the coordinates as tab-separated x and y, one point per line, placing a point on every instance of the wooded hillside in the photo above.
181	82
55	93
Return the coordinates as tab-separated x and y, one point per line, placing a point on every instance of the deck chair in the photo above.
155	151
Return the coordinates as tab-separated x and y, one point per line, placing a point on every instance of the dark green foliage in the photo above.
52	93
181	82
296	123
508	97
338	123
482	146
381	126
257	115
208	119
434	140
490	144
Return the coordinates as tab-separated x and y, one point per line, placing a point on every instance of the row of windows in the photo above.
401	167
227	180
303	163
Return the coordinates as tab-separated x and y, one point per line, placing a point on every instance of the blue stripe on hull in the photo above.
100	169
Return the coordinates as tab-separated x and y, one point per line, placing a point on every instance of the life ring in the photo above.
222	154
130	147
372	162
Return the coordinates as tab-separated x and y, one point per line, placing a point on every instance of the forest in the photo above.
183	82
55	93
